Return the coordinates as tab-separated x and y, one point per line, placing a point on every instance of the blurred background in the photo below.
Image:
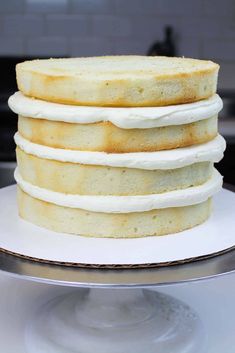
203	29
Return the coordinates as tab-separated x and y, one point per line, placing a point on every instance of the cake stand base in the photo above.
114	321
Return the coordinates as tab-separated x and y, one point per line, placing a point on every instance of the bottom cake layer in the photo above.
113	225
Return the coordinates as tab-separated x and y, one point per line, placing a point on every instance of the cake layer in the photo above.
118	80
211	151
106	137
95	224
73	178
124	118
126	204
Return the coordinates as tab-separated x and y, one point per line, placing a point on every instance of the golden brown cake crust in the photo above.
119	81
111	225
106	137
74	178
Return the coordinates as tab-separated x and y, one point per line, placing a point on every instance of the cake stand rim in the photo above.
68	276
209	267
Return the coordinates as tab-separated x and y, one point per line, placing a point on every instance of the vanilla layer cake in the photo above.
126	171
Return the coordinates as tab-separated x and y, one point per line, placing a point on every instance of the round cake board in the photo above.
21	238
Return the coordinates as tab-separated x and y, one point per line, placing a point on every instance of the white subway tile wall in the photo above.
12	47
46	6
23	26
68	25
41	46
111	26
92	7
180	7
203	28
14	6
87	46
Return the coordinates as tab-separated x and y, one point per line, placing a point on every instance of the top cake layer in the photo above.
121	81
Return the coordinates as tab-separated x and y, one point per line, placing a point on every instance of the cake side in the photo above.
131	81
109	138
124	225
75	178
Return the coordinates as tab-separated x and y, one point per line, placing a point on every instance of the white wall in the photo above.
204	28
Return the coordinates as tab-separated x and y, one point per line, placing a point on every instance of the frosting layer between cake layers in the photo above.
124	118
169	159
116	130
126	204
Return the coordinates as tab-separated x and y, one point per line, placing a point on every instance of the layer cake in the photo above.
117	146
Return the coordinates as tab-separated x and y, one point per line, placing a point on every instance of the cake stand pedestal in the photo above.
111	311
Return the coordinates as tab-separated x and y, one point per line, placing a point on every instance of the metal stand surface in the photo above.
112	312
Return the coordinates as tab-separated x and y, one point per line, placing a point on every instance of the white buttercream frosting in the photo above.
211	151
125	118
126	204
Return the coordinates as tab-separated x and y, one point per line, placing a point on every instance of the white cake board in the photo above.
25	239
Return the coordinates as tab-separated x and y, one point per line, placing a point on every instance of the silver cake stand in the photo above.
114	310
111	311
